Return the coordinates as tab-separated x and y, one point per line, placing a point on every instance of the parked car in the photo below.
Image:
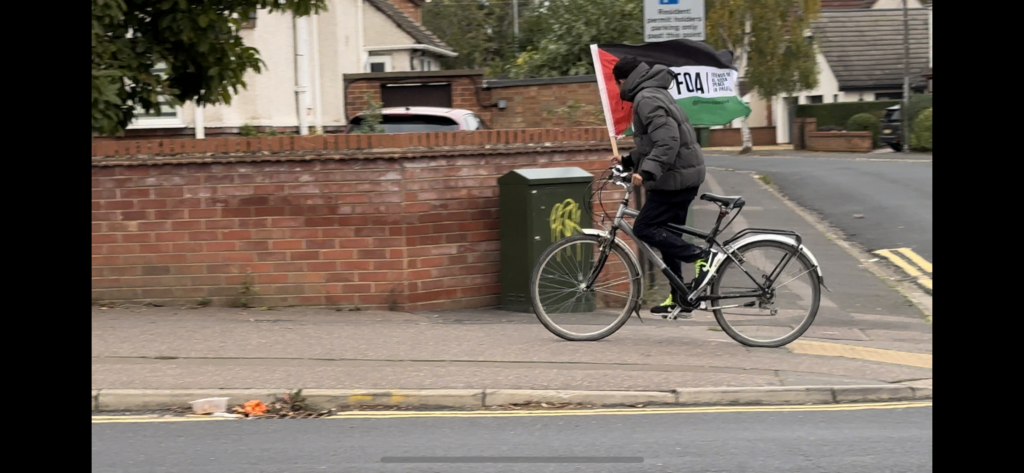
423	119
891	126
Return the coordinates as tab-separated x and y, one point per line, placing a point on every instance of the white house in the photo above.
301	86
860	58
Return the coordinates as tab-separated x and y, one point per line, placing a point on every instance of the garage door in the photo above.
417	95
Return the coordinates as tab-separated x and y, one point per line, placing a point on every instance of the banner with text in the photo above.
706	85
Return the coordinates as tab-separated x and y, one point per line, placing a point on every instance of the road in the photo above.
893	196
765	440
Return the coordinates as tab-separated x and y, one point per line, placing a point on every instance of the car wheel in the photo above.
896	146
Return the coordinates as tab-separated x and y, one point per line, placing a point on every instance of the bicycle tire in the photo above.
799	330
635	283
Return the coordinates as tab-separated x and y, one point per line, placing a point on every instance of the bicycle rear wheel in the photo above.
560	301
782	316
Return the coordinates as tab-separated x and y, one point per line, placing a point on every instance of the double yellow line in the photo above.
911	263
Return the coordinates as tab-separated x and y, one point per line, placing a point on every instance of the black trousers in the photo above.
650	227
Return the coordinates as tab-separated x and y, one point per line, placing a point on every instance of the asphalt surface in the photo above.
882	440
894	196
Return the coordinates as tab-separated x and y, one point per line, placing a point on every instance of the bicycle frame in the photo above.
711	238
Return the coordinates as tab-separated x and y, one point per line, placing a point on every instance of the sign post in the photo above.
673	19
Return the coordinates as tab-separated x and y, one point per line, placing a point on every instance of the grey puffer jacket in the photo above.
666	144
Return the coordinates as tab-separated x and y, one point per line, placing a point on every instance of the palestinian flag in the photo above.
706	85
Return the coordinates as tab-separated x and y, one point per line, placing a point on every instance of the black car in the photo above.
891	126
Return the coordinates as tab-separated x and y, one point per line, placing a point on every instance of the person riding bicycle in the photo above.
668	162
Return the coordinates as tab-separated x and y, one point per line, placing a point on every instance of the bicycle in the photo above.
599	267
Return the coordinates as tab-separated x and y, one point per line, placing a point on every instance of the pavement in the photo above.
870	342
847	439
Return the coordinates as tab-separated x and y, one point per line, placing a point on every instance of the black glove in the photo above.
627	162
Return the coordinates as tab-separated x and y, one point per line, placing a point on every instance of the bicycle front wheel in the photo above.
565	307
778	317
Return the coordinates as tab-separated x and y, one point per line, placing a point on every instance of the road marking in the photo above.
921	278
150	418
917	259
539	413
804	347
635	411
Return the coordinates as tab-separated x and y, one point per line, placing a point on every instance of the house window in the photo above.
889	96
168	116
814	99
379	64
426	64
835	98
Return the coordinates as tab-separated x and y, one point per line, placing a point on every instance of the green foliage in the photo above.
578	114
248	130
197	42
556	36
768	35
918	104
481	32
865	122
370	118
921	138
838	114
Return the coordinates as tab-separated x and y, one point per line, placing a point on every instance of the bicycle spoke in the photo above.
782	311
614	293
584	315
614	282
793	279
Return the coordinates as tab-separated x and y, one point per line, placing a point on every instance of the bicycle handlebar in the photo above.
621	177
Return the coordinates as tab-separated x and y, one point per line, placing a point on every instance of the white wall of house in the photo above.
880	4
270	99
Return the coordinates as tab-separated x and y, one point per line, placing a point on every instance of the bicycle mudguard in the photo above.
784	240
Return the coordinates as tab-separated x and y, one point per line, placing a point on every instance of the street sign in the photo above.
673	19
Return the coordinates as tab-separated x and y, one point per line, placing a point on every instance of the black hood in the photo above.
644	77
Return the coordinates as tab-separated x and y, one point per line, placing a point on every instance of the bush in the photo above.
830	128
918	104
865	122
921	136
838	114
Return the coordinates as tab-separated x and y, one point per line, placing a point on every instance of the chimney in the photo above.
411	8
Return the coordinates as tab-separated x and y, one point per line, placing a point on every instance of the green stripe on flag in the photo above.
706	111
716	111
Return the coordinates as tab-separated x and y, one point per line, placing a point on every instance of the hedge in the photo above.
837	114
918	104
921	138
865	122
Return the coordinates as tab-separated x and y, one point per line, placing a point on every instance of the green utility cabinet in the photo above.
537	207
703	136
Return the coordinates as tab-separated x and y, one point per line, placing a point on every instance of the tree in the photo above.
556	35
479	30
767	38
371	118
198	44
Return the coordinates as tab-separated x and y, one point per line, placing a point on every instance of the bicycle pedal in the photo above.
679	314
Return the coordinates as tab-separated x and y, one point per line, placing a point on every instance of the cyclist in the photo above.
668	162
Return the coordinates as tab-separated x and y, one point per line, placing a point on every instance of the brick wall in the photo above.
761	136
843	141
806	136
464	84
530	102
375	228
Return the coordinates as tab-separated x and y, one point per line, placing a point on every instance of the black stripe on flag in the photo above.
673	53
